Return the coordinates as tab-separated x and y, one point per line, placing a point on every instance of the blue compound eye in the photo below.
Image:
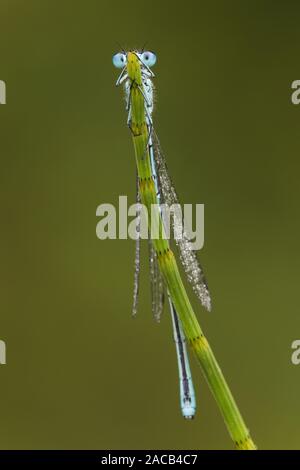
149	58
119	60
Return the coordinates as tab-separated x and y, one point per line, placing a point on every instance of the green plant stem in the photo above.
168	266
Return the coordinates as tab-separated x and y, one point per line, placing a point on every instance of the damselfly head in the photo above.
147	58
135	65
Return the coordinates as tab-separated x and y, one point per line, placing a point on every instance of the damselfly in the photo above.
154	186
166	193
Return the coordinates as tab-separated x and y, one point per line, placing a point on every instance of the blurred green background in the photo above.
80	372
